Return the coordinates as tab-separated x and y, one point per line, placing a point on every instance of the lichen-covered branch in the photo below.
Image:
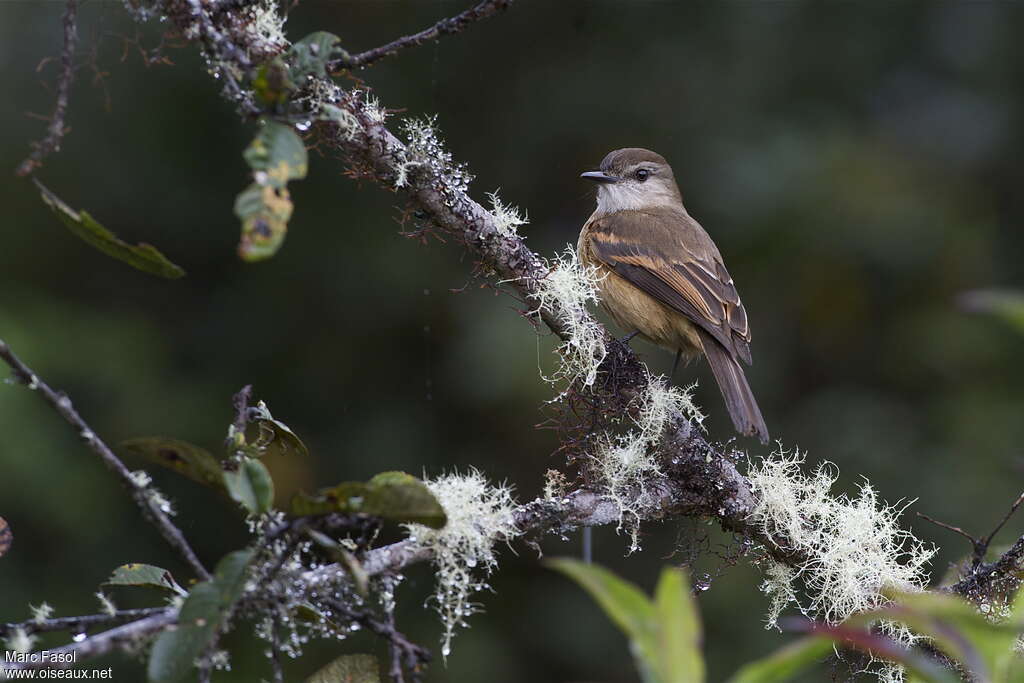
127	635
154	506
56	129
448	26
78	624
692	477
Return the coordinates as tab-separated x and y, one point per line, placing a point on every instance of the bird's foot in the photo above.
628	338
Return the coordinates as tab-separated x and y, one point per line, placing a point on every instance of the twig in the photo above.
405	654
955	529
1013	508
55	131
79	624
141	491
101	643
979	546
988	581
448	26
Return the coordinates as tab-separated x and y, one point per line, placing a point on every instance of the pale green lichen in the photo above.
265	26
40	613
626	464
507	218
479	516
107	605
426	151
853	549
20	641
565	294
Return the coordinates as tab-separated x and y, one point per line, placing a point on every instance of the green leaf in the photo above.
144	257
264	212
278	152
276	155
206	608
396	496
185	458
679	630
273	83
275	437
309	56
349	669
957	628
403	498
626	605
786	662
251	486
136	574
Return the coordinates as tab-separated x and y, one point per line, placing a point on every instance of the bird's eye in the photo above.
641	174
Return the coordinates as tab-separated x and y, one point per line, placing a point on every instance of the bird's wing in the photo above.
671	258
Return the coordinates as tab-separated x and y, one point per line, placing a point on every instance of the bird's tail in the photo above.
743	410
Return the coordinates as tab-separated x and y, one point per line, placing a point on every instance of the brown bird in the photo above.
664	278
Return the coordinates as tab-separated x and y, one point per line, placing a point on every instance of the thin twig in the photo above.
145	496
1013	508
950	527
448	26
101	643
79	624
55	131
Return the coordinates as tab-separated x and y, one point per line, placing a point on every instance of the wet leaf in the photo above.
251	486
396	496
207	606
142	256
309	56
273	83
136	574
183	457
278	152
349	669
276	156
264	212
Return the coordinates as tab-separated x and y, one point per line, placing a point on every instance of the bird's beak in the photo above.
600	177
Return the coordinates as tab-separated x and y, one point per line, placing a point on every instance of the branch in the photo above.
145	496
445	27
78	624
701	479
99	644
56	129
695	487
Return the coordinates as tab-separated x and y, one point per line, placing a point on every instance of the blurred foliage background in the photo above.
858	167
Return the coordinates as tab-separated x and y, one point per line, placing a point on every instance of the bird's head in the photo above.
634	179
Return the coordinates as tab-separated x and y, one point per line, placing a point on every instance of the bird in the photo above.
662	277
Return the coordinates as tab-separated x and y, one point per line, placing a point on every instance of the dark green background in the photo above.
858	165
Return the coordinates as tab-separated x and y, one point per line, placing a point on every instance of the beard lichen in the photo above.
565	293
853	549
627	464
479	515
